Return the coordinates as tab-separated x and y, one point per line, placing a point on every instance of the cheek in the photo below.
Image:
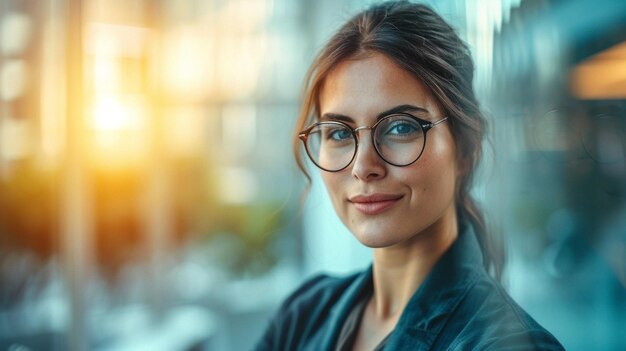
433	174
333	183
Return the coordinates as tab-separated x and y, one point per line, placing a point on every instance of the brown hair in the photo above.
421	42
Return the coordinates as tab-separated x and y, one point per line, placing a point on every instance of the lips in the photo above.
374	204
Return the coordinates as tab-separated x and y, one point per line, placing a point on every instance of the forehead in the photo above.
364	87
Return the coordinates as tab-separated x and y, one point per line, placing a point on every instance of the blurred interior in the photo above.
149	199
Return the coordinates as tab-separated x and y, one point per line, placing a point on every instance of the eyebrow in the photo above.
396	109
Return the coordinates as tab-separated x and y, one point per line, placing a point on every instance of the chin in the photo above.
372	232
375	238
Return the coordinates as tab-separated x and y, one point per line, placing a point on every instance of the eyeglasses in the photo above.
398	139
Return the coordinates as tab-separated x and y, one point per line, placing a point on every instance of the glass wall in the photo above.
558	103
148	193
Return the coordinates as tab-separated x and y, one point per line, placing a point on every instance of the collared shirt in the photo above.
457	307
350	327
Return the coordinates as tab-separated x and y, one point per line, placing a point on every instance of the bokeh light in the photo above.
149	198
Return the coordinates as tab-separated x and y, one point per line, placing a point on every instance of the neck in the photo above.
398	271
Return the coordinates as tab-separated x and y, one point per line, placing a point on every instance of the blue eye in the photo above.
401	128
339	134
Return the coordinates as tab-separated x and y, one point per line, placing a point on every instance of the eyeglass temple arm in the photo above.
430	125
439	121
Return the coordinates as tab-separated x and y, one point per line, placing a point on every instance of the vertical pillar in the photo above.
76	210
3	105
159	189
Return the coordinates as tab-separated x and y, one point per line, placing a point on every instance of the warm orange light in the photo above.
603	76
188	68
114	112
118	102
119	130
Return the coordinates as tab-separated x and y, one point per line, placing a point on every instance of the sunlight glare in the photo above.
114	112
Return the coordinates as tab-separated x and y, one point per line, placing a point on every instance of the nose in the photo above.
367	164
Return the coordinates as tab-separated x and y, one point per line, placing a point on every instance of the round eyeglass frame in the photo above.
425	125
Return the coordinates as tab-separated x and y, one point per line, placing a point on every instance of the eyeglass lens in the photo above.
398	139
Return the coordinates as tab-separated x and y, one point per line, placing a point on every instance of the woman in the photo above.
390	119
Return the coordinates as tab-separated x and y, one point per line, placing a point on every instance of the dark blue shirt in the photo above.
459	306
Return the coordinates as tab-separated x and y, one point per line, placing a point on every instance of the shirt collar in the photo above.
460	267
340	311
430	307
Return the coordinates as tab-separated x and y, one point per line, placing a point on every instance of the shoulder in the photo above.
304	312
492	320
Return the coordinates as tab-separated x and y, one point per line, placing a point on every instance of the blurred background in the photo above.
149	199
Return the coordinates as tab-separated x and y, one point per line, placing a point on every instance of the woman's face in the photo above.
381	204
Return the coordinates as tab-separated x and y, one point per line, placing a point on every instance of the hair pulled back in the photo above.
421	42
